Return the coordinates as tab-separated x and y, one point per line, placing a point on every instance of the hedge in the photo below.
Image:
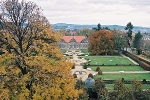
145	64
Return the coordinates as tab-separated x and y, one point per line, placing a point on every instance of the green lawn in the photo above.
117	68
124	75
111	86
63	51
85	52
68	57
108	60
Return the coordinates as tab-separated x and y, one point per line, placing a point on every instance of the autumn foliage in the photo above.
32	66
101	42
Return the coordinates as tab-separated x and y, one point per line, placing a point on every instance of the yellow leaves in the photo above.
26	77
2	70
24	95
48	71
4	94
37	97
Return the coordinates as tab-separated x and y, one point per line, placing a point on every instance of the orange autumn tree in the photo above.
101	42
32	66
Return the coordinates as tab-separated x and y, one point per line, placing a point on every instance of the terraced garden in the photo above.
111	67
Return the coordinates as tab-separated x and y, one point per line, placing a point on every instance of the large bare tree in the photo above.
32	66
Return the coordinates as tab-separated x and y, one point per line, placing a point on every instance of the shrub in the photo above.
119	85
103	64
81	86
73	67
136	86
97	69
113	95
101	90
84	66
75	75
100	72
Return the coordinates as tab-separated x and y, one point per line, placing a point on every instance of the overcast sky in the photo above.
105	12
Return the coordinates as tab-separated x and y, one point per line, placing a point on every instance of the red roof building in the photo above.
78	39
73	42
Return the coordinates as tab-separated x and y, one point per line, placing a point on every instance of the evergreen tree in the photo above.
129	27
137	38
98	27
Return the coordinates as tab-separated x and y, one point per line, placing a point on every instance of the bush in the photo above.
73	67
100	72
100	89
145	66
97	69
84	66
119	85
113	95
75	75
81	86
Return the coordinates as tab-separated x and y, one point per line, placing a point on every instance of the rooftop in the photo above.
77	38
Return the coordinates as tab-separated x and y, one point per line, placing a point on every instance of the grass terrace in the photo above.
85	52
131	76
111	67
108	60
63	51
117	68
111	86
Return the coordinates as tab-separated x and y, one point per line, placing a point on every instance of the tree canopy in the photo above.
137	43
129	28
137	38
32	66
120	41
101	42
98	27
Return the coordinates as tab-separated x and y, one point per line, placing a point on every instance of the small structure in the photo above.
89	69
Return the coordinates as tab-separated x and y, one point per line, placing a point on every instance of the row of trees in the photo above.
32	66
104	40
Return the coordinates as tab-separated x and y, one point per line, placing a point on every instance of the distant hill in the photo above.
78	26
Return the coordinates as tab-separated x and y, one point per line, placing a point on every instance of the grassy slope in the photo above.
125	76
117	68
108	60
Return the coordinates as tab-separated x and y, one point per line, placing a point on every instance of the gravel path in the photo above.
78	68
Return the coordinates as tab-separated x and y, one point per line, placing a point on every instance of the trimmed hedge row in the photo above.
112	65
125	81
142	62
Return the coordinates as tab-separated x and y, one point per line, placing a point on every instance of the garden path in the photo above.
78	67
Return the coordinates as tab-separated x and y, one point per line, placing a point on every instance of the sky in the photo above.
105	12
